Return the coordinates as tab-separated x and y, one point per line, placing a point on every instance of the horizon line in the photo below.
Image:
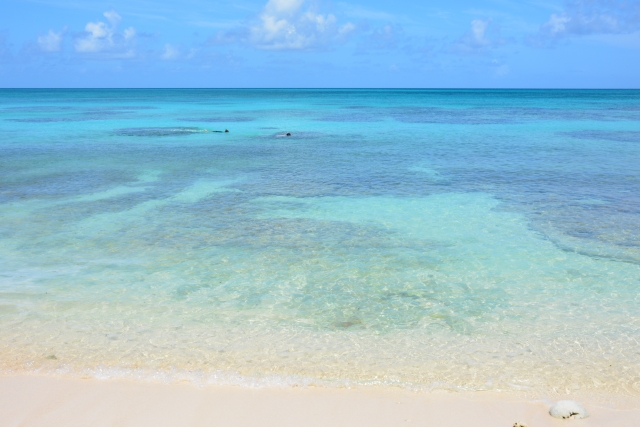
310	88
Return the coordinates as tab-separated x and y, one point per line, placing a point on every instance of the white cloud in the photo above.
583	17
477	39
103	37
283	24
113	17
50	42
346	29
129	33
557	24
170	52
478	28
287	25
283	6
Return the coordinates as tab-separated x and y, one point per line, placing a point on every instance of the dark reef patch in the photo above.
39	109
159	131
71	114
350	117
50	119
235	119
617	136
501	115
296	135
461	116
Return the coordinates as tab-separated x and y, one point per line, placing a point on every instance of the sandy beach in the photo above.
31	400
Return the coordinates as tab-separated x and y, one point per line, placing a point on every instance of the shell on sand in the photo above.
568	409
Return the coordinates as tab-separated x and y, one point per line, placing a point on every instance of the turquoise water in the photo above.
465	240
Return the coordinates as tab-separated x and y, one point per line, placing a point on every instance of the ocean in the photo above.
424	239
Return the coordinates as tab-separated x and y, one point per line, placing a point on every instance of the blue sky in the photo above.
320	43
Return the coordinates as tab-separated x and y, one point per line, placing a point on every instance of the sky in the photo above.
320	43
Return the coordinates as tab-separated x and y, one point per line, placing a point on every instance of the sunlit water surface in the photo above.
465	240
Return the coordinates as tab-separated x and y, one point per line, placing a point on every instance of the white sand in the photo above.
27	400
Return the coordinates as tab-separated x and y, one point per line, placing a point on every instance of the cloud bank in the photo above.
102	37
345	38
288	25
584	17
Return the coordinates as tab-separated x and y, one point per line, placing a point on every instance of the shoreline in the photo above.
43	400
603	394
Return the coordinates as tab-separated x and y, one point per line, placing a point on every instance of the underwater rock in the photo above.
226	131
568	409
348	324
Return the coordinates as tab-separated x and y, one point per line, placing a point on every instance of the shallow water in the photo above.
467	240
